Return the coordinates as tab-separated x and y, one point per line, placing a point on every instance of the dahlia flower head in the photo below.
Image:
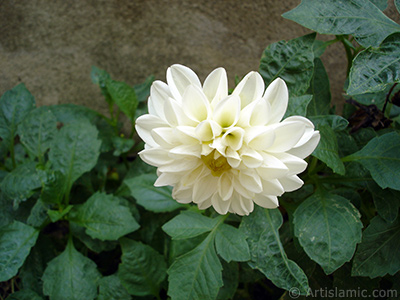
224	150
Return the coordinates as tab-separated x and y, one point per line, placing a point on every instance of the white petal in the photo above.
287	134
251	181
272	168
187	135
239	187
236	206
191	177
251	158
159	93
179	78
247	205
291	183
233	138
277	95
266	201
215	86
309	131
272	187
144	125
155	156
260	137
260	113
250	88
205	204
232	157
308	148
195	104
208	130
220	206
182	195
296	165
185	150
180	165
226	112
167	179
204	188
164	136
225	186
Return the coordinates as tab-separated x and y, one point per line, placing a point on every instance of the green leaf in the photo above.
381	4
189	224
56	215
298	106
71	113
20	184
327	150
376	68
293	61
321	91
38	214
37	131
142	269
379	252
337	123
24	294
230	277
71	276
16	240
124	96
231	244
15	104
54	187
387	202
361	18
155	199
267	254
381	156
328	227
121	145
75	150
110	287
93	244
101	77
143	90
196	275
397	4
104	218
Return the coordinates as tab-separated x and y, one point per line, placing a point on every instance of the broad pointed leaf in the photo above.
293	61
328	227
387	202
327	150
20	184
71	276
104	218
189	224
298	106
196	275
110	287
142	269
16	241
379	252
360	18
381	156
155	199
320	89
267	254
75	150
15	104
231	244
376	68
37	131
124	96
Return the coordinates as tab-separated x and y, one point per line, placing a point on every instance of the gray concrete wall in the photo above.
50	45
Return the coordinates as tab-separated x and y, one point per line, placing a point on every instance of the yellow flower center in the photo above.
217	166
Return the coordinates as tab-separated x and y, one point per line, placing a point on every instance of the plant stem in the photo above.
349	54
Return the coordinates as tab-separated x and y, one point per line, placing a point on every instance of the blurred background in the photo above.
51	45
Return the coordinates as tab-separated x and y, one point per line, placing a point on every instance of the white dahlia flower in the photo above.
221	150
